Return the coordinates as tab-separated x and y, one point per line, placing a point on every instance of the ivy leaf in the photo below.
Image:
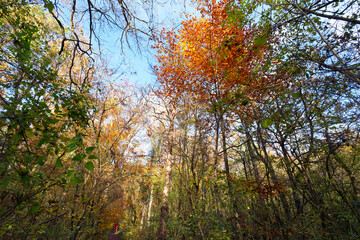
90	166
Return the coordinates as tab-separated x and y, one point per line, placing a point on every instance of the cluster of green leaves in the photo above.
291	164
41	122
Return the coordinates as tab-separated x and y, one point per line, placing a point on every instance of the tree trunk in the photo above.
150	204
168	168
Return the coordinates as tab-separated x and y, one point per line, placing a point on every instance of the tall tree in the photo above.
217	63
42	116
320	33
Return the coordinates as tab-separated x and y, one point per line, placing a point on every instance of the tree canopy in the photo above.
250	132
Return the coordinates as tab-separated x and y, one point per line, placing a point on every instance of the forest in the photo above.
250	130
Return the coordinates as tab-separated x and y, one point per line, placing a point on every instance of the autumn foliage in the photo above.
252	134
212	58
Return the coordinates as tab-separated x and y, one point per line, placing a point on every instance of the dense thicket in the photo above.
253	131
267	120
66	132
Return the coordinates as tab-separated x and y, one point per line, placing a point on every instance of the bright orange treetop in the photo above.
210	58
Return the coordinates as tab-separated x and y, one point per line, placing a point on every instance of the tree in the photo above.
115	127
322	34
217	63
211	57
42	117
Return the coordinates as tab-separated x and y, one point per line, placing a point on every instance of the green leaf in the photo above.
17	137
75	180
72	146
34	208
266	123
5	183
93	157
296	95
25	176
49	5
89	150
260	41
40	93
28	158
90	166
79	157
59	163
71	172
245	102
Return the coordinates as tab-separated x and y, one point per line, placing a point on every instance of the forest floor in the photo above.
113	236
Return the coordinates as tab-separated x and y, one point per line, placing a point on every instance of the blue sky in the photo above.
136	65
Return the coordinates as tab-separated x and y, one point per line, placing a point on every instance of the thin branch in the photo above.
349	73
355	21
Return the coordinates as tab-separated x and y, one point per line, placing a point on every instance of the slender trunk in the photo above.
233	203
150	204
168	169
274	179
223	134
217	130
217	201
165	206
261	213
143	216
